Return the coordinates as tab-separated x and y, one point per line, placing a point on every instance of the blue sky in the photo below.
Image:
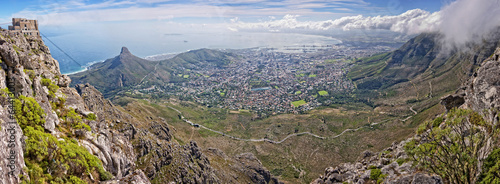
92	30
216	11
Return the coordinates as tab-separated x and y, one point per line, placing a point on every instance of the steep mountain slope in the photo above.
37	103
52	133
121	71
420	57
460	146
414	77
413	58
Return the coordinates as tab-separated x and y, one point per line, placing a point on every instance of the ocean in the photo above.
92	48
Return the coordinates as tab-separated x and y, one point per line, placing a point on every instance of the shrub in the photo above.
49	160
51	86
74	120
91	116
6	93
400	161
375	174
28	112
75	180
491	168
45	151
422	128
451	150
436	122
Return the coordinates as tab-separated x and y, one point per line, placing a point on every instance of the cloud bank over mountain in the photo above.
411	22
465	21
460	22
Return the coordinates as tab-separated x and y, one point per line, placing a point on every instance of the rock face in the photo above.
386	161
20	74
29	70
483	89
11	142
253	168
243	164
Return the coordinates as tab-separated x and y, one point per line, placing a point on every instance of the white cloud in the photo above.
466	21
461	22
410	22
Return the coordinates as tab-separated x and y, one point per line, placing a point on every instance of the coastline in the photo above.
150	58
87	66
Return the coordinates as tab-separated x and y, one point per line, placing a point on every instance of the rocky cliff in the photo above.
52	133
58	136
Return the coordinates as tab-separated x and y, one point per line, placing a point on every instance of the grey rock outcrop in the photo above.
252	167
11	142
110	145
483	89
25	63
386	161
20	74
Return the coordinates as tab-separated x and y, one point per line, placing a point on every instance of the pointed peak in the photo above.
125	51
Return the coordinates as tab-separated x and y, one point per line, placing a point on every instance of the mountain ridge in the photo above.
123	70
127	70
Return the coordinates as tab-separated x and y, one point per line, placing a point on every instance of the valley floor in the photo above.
294	147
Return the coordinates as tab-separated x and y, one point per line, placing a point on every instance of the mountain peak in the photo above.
125	51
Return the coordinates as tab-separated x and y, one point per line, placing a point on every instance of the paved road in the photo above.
268	140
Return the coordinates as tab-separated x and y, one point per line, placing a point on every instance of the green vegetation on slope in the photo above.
368	67
491	168
52	87
200	57
451	147
52	160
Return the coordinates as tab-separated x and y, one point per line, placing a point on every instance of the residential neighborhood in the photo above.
268	82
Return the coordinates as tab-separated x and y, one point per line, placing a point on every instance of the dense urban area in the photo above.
267	81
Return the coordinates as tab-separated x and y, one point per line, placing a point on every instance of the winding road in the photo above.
266	139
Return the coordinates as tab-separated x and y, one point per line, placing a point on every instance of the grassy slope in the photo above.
286	160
